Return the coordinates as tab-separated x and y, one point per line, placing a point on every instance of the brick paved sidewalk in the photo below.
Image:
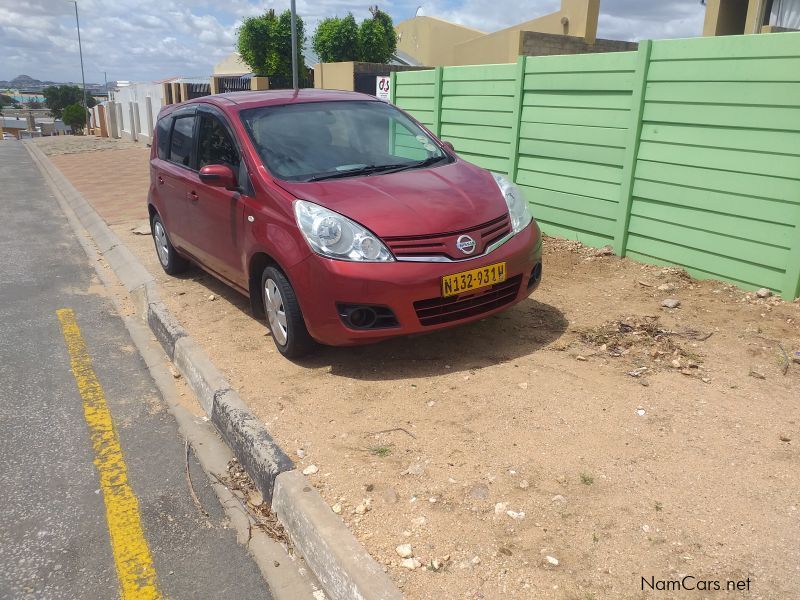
120	194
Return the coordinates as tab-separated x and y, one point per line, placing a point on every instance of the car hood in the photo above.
410	203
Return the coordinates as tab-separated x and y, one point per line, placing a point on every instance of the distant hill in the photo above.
28	83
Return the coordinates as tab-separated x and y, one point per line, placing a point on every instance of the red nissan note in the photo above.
342	218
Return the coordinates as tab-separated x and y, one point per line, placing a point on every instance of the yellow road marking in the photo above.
137	576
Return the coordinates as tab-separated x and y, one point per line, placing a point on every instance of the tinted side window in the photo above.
215	146
162	137
181	146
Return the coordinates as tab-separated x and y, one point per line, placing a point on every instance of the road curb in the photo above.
342	565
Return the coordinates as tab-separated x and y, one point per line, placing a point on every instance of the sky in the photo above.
144	40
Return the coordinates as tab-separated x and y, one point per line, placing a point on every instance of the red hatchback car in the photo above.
342	218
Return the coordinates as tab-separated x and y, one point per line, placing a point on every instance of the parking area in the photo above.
583	440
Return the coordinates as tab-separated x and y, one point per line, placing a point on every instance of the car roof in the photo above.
245	100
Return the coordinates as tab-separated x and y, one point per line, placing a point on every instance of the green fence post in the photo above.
437	101
632	148
791	287
393	87
516	117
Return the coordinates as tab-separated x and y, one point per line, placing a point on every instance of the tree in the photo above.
75	115
265	44
377	39
57	97
341	39
336	40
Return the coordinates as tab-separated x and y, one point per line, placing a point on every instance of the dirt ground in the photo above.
567	448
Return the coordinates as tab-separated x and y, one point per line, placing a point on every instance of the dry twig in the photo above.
195	499
403	429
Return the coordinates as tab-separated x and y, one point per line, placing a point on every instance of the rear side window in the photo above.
180	150
214	145
162	137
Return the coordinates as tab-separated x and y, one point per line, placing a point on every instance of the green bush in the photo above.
75	115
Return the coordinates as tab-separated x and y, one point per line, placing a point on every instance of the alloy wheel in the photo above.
276	312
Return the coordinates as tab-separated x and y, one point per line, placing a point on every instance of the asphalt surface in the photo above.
54	539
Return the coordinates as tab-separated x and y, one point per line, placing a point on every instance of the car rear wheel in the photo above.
170	260
283	315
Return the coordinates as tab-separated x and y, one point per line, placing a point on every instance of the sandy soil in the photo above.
689	467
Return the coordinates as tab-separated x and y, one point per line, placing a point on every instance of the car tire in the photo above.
171	261
284	318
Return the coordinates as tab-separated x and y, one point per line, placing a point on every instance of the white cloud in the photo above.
152	39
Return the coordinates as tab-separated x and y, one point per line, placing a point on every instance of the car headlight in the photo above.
517	204
335	236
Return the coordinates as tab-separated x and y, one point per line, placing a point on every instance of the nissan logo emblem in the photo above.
466	244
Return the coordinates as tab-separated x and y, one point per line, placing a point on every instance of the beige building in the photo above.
232	65
735	17
571	30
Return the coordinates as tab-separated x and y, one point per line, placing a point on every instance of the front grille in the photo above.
444	244
445	310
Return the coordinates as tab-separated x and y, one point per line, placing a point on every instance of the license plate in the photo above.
466	281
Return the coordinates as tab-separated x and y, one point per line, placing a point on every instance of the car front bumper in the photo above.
411	290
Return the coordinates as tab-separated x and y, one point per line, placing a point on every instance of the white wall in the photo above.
132	101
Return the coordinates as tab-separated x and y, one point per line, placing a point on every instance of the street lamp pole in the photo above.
83	77
295	83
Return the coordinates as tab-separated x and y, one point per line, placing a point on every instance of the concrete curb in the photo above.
343	567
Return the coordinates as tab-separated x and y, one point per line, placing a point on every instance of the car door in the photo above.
216	214
174	172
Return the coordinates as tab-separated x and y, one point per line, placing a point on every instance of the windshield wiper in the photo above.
431	160
365	170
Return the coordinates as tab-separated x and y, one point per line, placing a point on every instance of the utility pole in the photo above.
83	77
295	83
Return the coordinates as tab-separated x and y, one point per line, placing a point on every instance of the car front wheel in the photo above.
283	315
170	260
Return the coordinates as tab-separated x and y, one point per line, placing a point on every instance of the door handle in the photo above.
160	180
193	196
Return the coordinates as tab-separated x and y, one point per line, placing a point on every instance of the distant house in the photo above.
232	65
13	125
572	30
735	17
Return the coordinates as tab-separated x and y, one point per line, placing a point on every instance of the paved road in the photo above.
54	534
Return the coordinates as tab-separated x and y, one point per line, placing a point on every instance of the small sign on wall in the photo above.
383	86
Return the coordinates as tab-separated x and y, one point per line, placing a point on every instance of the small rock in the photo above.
641	412
479	491
433	499
390	496
143	229
475	560
784	438
419	521
500	508
670	303
515	515
337	508
552	560
796	357
706	380
405	551
676	364
174	372
361	508
638	372
256	499
581	358
523	485
310	470
211	298
410	563
301	453
764	293
666	287
414	469
604	251
558	499
757	374
435	564
523	385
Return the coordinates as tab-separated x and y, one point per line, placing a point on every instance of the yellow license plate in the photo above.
459	283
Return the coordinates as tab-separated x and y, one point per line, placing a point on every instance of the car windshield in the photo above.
325	140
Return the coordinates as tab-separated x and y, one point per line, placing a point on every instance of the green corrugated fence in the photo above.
686	152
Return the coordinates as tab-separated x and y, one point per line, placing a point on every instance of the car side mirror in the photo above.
218	176
449	145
